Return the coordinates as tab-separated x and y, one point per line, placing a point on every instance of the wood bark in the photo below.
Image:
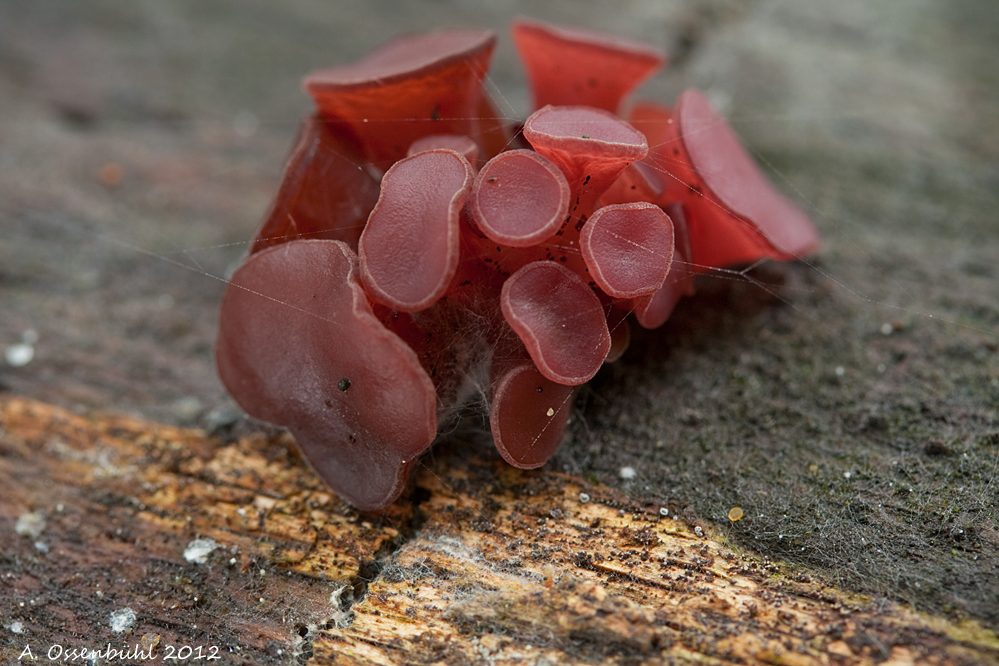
481	563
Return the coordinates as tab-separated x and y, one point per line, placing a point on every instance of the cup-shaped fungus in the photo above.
325	192
527	273
736	215
591	147
299	346
432	81
559	319
409	248
519	198
528	416
628	248
575	66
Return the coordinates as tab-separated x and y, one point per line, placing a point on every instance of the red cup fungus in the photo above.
528	416
571	66
409	248
559	319
432	81
299	346
628	248
592	147
369	312
519	198
326	192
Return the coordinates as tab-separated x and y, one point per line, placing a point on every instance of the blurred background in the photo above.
850	407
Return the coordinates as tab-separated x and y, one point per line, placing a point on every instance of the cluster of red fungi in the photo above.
420	254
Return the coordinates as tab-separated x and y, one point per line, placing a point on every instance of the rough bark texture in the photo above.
488	564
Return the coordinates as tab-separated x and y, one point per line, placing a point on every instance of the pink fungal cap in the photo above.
740	216
559	319
652	310
591	147
299	346
459	143
411	87
410	248
628	248
528	415
519	198
570	66
324	192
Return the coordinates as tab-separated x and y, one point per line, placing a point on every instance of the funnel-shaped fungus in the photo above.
519	198
409	249
432	81
628	248
591	147
459	143
299	346
737	216
528	416
527	274
570	66
325	193
559	319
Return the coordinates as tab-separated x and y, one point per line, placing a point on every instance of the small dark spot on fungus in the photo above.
343	385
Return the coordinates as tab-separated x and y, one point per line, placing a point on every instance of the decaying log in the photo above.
482	564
